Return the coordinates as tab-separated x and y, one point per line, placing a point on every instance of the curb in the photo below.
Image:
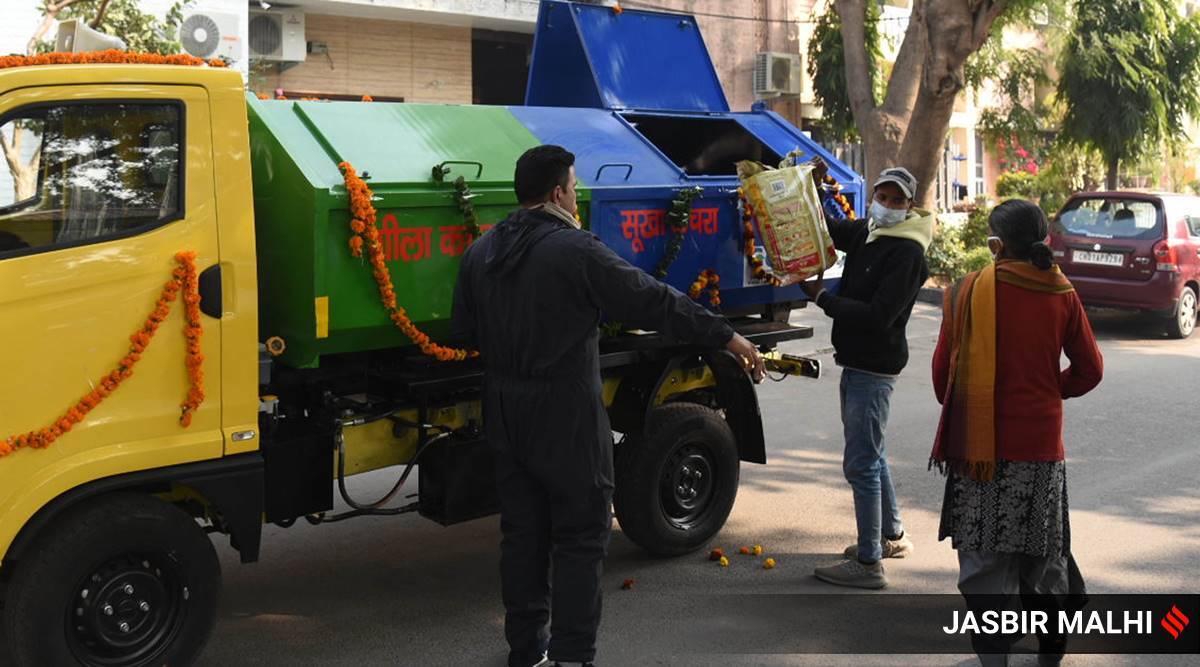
931	295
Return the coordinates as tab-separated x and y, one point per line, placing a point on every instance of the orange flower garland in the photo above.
839	197
183	278
193	332
366	234
758	270
708	279
109	57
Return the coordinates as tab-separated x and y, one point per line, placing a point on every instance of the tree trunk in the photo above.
910	127
1112	178
24	175
882	128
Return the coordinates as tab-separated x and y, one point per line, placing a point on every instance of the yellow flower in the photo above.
769	564
724	561
758	550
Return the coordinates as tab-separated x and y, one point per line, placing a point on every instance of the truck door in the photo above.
102	187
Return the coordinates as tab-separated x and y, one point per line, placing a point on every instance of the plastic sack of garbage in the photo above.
790	221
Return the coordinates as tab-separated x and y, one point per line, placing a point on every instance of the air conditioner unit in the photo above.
777	74
211	35
277	35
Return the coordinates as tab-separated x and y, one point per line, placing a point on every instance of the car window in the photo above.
1111	218
80	173
1193	223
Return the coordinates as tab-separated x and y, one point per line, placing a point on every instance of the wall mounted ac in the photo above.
277	35
211	35
777	74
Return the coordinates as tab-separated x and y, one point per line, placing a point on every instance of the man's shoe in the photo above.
544	662
897	548
574	664
854	574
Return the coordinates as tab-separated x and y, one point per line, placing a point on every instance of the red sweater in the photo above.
1033	329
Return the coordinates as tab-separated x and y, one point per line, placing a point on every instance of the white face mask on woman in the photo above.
886	217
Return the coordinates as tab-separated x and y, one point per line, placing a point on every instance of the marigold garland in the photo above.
708	279
109	57
833	189
183	279
366	234
757	268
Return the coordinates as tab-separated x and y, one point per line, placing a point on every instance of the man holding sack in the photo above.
885	268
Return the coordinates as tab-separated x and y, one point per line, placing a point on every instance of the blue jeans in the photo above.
865	402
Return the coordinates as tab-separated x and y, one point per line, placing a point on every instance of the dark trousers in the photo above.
990	580
552	551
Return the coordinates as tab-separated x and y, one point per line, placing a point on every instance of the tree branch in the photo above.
95	24
906	72
52	11
854	48
985	15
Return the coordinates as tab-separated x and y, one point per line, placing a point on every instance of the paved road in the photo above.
403	591
407	592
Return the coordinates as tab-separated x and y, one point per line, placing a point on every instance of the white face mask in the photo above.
885	217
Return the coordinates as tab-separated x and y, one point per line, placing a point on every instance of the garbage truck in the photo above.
192	347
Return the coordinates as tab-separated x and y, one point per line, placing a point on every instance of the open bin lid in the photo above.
591	56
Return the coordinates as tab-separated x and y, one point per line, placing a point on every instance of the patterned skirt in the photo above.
1023	510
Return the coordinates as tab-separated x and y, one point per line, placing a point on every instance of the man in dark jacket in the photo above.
885	268
529	297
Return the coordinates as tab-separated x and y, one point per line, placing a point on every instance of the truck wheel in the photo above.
1184	321
122	580
676	483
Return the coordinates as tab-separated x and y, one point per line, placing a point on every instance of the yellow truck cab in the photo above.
192	348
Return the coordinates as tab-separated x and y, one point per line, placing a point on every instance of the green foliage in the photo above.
1130	76
1016	124
142	32
1017	184
976	259
975	232
827	67
946	254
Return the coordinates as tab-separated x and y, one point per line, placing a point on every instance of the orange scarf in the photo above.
966	435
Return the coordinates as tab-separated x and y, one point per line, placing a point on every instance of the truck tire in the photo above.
1183	320
122	580
676	483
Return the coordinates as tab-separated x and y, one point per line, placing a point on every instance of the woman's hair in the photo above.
1022	226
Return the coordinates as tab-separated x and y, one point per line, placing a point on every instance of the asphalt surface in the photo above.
405	591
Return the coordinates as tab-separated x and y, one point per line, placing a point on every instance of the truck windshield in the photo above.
1111	218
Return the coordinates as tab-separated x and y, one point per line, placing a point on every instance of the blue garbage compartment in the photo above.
635	97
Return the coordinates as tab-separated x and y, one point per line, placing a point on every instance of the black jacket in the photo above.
878	288
529	297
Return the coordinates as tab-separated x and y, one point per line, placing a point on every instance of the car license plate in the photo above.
1101	258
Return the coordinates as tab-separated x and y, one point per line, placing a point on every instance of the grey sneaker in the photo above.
891	548
854	574
544	662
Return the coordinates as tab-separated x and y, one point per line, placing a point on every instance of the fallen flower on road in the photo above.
745	551
724	561
758	550
769	564
627	584
716	554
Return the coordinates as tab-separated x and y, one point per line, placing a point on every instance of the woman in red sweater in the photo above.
998	375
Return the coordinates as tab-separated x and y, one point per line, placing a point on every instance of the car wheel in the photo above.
125	580
677	482
1184	321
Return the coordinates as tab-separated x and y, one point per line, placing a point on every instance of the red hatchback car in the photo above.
1134	251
